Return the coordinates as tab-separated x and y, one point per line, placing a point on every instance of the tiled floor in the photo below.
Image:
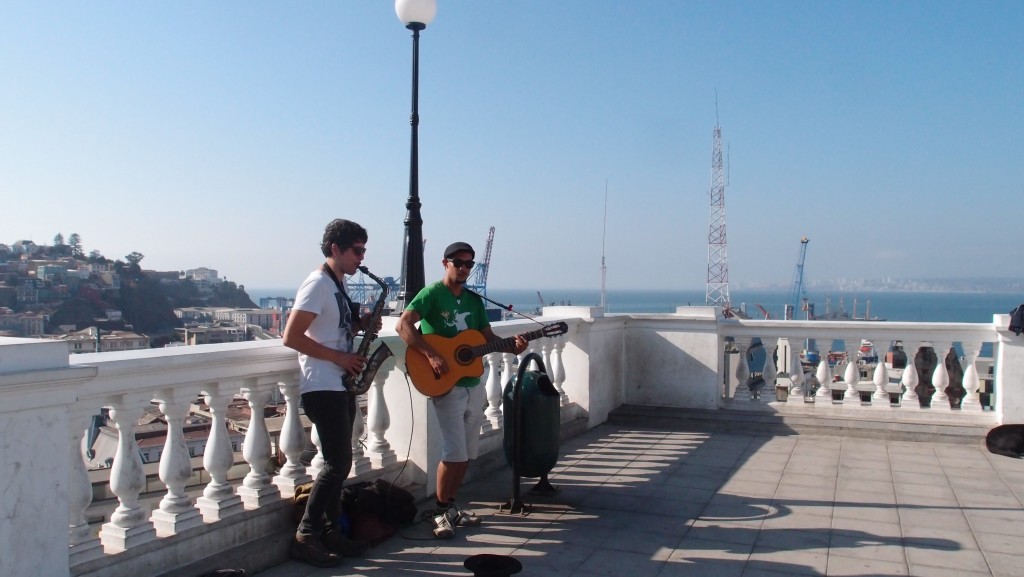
651	503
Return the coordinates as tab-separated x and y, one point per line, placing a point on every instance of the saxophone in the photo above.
359	384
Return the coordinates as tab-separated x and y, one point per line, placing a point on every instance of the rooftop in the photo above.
654	501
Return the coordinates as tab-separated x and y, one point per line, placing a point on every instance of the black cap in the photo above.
457	247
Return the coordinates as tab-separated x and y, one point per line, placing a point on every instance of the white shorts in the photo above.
461	414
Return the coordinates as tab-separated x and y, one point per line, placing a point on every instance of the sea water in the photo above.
891	306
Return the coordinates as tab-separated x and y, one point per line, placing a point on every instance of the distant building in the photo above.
22	324
93	340
209	335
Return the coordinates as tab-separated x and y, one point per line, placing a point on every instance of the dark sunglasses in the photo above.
358	250
459	263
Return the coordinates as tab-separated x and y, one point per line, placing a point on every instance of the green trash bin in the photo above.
540	416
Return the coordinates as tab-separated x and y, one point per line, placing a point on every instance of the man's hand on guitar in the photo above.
437	363
520	345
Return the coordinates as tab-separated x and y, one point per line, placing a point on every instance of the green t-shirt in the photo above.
443	314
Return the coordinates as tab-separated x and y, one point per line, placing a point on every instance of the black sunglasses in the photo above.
358	250
459	263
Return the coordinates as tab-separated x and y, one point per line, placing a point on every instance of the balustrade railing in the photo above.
865	364
603	362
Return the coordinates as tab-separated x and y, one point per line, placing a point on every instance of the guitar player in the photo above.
444	308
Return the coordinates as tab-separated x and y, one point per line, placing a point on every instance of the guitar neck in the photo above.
504	345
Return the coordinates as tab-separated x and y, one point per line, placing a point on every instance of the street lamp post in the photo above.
416	15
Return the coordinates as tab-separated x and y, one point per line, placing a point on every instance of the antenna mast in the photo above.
718	266
604	232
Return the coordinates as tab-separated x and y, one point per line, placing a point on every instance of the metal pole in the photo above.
412	255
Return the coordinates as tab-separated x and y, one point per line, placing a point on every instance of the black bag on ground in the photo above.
381	498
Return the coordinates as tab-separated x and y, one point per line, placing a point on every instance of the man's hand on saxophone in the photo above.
352	363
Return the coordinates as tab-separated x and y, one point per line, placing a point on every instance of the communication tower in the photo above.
718	265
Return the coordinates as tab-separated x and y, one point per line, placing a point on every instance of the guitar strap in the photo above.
341	296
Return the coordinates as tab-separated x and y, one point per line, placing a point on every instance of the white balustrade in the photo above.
851	374
881	381
127	385
175	512
128	525
378	420
257	489
292	442
768	372
557	370
361	462
742	373
910	380
972	383
796	373
317	463
940	378
219	499
494	391
824	375
84	546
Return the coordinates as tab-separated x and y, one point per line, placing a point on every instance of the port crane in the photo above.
797	294
478	278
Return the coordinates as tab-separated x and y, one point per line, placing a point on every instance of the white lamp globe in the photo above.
416	11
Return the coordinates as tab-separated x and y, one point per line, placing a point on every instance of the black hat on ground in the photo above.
457	247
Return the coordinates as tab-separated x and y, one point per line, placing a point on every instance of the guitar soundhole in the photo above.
463	355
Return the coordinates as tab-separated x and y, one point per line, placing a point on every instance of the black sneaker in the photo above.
309	549
338	543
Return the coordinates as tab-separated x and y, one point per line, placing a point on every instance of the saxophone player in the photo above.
321	327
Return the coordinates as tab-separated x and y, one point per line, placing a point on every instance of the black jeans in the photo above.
332	412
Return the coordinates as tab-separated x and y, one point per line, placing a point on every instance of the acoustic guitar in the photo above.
463	353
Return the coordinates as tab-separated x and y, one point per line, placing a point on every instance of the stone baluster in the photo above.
545	354
852	373
175	513
768	371
742	372
909	382
257	490
129	525
972	383
881	380
361	462
84	546
796	373
316	464
379	421
824	375
219	499
940	378
494	390
557	371
292	441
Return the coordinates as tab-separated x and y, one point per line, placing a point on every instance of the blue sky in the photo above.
226	134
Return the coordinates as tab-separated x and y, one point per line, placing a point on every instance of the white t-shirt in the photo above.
319	295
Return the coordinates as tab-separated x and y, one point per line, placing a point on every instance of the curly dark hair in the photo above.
343	233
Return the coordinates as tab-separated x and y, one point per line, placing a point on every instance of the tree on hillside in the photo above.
75	242
58	245
97	256
134	258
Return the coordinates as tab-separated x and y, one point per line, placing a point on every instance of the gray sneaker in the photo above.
445	522
466	517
